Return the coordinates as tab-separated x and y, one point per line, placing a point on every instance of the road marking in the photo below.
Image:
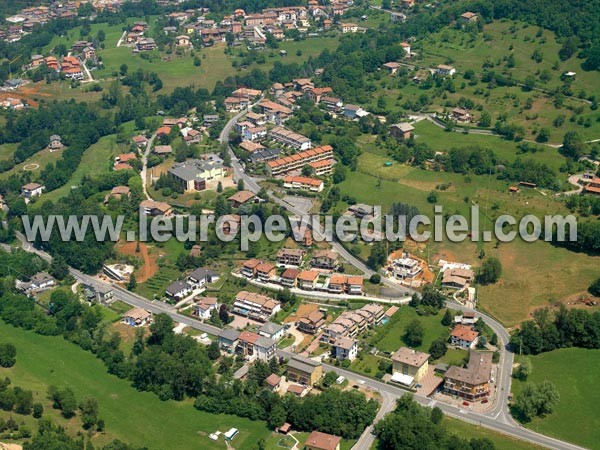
462	411
432	403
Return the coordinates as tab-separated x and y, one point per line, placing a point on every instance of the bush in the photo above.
8	355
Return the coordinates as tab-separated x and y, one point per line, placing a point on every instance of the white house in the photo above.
204	307
272	331
31	190
178	290
345	348
38	282
464	337
137	317
201	276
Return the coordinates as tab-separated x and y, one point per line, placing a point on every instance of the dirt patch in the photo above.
26	93
303	310
126	332
149	266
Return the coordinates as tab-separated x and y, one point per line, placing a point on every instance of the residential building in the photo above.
266	272
472	383
137	317
201	276
152	208
406	47
297	390
162	150
290	256
354	285
242	197
178	290
468	17
324	259
304	371
303	183
401	130
254	346
249	267
312	323
457	278
274	112
146	44
392	67
204	306
336	283
272	331
39	282
409	366
228	339
297	161
254	133
194	174
290	138
31	190
322	441
289	277
307	279
323	167
464	337
183	41
273	381
461	115
362	211
118	192
592	187
209	120
445	70
349	28
55	142
140	141
345	348
406	267
255	306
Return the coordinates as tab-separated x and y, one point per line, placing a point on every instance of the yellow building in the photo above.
304	371
410	366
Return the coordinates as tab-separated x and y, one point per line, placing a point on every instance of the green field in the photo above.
138	418
470	431
390	337
576	374
551	273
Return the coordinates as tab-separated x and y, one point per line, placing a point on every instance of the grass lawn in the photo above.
277	441
138	418
390	337
7	150
470	431
551	273
576	373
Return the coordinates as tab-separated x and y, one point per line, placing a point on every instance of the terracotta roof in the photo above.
322	441
273	380
464	333
308	275
242	196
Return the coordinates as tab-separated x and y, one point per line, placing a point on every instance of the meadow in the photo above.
575	372
138	418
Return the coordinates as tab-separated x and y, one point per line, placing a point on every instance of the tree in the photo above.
481	342
307	170
485	120
414	333
329	379
89	412
378	256
240	184
447	319
213	351
524	369
219	187
38	410
573	145
432	197
123	70
533	400
8	355
436	415
529	83
64	400
490	271
59	268
432	297
131	285
438	348
594	288
543	135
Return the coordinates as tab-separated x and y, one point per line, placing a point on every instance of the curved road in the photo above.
499	417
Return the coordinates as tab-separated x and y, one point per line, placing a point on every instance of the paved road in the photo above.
145	165
496	419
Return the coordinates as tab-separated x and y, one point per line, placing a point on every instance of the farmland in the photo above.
145	421
574	372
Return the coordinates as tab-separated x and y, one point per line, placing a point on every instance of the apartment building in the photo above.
255	306
303	183
472	383
290	256
297	161
290	138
